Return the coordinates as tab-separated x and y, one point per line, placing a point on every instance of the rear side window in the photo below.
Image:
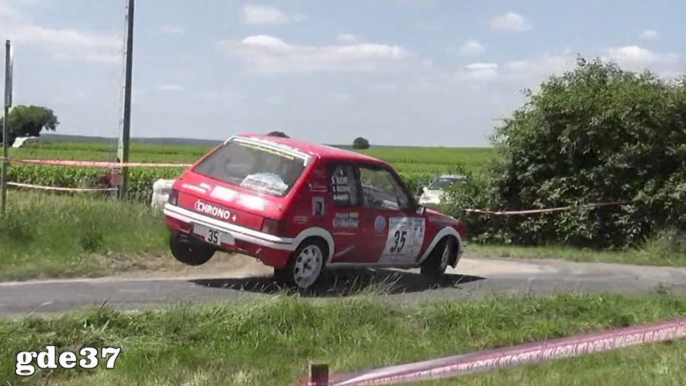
343	185
255	167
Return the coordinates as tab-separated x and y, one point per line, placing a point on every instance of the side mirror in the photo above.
421	210
424	189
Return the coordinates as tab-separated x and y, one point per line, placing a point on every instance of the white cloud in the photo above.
531	71
171	30
347	38
649	34
472	48
272	55
265	15
7	12
510	21
540	67
635	57
61	43
171	88
479	71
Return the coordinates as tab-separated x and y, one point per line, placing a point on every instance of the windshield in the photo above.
444	183
253	166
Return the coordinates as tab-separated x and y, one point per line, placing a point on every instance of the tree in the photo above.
280	134
596	134
360	143
29	121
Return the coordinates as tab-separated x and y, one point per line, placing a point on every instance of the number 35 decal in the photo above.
399	238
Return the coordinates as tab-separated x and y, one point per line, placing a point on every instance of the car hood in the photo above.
434	193
435	215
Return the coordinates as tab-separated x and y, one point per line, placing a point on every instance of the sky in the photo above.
397	72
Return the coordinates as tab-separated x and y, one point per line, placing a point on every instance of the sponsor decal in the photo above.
223	193
316	187
380	223
340	186
252	202
346	220
275	145
318	207
206	186
301	220
194	188
213	210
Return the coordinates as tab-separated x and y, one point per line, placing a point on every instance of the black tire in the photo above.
313	251
435	264
189	251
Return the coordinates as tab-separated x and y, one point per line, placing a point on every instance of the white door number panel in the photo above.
405	239
213	236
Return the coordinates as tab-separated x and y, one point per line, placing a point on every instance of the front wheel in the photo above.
435	265
305	266
189	251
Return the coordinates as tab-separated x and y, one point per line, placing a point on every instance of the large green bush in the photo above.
594	134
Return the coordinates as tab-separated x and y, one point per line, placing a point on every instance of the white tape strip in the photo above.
30	186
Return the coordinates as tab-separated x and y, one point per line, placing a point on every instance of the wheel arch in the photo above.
316	233
447	232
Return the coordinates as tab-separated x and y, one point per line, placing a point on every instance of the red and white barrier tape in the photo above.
41	187
536	211
114	165
96	164
509	356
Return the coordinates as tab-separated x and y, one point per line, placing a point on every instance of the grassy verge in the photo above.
271	342
58	236
655	364
661	251
48	236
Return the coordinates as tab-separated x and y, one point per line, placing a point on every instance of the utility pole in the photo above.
5	120
125	139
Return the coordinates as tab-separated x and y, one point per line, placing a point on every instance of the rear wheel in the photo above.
189	251
305	266
435	265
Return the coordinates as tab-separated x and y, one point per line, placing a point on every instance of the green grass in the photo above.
271	342
657	252
655	364
436	160
59	236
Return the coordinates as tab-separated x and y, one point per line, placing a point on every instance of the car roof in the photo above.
452	176
323	151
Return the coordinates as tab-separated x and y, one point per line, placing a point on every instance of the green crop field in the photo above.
416	165
404	159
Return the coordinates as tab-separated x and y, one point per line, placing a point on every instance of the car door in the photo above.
344	220
393	232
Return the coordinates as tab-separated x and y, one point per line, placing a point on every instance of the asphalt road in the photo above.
473	277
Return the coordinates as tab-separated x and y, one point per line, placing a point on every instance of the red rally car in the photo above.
302	208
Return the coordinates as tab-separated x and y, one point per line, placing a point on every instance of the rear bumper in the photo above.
271	250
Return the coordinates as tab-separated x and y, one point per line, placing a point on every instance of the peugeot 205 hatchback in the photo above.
302	208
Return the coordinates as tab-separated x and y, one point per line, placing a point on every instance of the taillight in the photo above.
270	226
173	197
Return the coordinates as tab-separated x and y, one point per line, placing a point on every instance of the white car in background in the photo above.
434	194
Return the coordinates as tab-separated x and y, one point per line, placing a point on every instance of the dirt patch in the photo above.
161	266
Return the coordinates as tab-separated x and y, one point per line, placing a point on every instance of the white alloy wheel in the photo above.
307	266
